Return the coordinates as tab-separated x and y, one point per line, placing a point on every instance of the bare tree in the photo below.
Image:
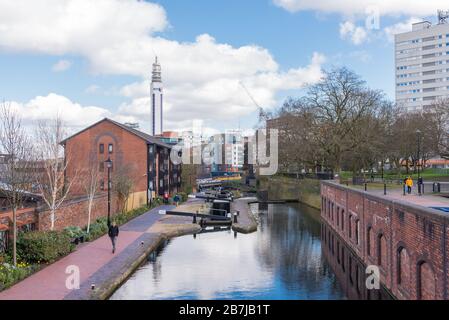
53	186
15	178
122	185
90	179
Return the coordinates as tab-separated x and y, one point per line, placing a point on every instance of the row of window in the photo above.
423	65
421	40
422	56
444	88
424	73
110	148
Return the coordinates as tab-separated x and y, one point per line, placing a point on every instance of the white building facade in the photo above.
422	65
157	100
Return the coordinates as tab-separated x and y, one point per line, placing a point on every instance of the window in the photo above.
343	219
101	148
357	226
101	166
338	216
110	148
350	226
368	241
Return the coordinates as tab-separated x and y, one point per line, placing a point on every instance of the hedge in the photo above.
43	246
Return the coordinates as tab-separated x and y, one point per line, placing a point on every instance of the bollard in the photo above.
194	236
366	187
235	217
385	189
194	218
235	234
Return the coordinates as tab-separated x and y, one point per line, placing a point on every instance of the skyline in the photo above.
214	56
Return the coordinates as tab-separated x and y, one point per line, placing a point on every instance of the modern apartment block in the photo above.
422	65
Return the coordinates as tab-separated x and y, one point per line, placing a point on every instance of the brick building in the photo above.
144	158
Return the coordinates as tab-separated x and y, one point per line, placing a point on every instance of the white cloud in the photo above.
62	65
359	7
357	35
400	28
203	78
47	107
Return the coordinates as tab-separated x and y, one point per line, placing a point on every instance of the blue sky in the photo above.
274	47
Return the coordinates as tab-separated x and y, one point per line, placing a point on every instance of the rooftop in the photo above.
145	136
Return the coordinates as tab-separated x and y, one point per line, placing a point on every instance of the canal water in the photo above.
284	259
292	256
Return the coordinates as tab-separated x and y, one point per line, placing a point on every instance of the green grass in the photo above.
428	174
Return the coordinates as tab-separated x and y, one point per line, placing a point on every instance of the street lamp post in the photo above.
109	166
418	135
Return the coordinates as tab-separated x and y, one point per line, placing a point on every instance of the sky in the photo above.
86	60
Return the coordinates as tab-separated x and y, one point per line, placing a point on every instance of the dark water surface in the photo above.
283	260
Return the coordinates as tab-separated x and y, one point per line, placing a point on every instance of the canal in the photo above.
284	259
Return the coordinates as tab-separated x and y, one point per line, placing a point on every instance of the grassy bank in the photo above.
428	174
306	191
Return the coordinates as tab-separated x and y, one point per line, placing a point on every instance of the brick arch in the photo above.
117	150
403	258
425	280
382	248
369	240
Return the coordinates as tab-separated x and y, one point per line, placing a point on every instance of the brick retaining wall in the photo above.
408	242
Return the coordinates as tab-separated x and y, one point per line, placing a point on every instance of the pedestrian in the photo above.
409	185
176	200
166	196
113	234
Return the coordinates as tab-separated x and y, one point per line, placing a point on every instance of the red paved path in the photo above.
50	283
425	200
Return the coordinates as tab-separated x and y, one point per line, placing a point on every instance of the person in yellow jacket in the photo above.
409	184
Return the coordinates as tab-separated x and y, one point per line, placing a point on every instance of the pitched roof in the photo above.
148	138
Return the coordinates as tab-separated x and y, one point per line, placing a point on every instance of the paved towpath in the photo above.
94	260
425	200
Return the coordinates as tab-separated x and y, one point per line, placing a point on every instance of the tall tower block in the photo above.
157	99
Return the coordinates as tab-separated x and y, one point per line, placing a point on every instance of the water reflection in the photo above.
349	269
283	260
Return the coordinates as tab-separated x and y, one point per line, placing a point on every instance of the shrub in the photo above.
10	275
43	246
74	232
184	196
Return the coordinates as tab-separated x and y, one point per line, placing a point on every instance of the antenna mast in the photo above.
443	16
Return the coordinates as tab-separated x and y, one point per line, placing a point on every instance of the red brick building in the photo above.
144	158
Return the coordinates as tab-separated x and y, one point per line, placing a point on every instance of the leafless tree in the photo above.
53	186
89	177
122	185
14	176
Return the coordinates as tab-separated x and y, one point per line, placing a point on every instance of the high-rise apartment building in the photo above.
422	64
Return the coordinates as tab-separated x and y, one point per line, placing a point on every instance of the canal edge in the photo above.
110	285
